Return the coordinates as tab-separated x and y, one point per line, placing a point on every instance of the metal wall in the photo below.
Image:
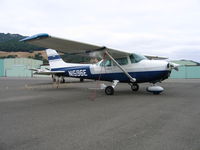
18	71
19	67
186	72
1	67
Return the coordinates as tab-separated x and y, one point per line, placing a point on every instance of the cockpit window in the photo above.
106	63
121	61
135	58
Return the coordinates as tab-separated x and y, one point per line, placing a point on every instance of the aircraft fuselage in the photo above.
143	71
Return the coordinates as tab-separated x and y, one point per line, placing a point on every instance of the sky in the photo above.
168	28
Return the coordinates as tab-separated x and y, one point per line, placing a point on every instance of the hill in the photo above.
6	37
10	43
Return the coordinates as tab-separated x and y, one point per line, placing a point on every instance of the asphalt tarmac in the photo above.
36	115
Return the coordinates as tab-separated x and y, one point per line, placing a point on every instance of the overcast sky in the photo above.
169	28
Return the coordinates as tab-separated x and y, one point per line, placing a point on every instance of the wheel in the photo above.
81	79
109	90
53	78
134	87
63	80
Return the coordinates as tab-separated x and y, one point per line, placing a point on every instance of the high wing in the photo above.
68	46
156	57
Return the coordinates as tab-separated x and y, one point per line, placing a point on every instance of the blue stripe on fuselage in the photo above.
84	72
146	76
54	57
77	71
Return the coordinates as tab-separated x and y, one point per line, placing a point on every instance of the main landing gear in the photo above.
109	90
58	79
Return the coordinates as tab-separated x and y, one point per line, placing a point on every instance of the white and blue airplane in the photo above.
116	66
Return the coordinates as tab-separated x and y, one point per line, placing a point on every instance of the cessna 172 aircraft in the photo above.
116	66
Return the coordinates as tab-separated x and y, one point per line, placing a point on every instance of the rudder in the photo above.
55	61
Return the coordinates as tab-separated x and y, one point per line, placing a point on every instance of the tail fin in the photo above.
55	61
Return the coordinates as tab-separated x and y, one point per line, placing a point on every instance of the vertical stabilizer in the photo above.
55	61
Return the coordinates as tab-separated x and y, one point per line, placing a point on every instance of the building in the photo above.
18	67
1	67
188	70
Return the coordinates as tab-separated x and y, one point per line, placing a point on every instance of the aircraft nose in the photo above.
174	66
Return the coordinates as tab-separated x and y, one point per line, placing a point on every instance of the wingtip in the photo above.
34	37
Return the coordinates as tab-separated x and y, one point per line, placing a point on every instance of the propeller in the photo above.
174	66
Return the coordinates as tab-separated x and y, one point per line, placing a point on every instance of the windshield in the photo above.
135	58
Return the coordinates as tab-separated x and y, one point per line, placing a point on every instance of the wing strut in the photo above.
120	67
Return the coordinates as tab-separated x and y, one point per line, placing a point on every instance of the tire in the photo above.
53	78
134	87
109	90
63	80
81	79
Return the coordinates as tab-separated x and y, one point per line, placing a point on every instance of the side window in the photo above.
106	63
121	61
